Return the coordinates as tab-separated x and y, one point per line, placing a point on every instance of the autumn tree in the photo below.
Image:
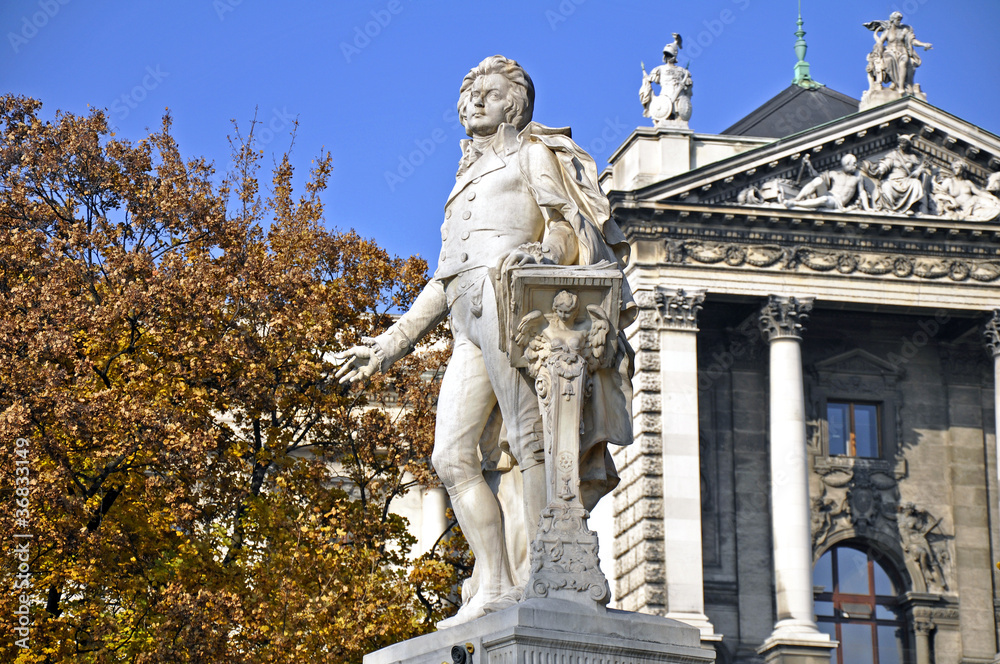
197	487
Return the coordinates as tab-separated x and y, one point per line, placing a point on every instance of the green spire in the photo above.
802	78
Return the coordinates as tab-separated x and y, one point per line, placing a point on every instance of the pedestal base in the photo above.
881	96
792	650
549	630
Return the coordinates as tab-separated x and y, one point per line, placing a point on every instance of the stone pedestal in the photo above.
879	96
551	630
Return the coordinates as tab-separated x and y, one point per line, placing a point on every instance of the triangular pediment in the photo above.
764	177
858	362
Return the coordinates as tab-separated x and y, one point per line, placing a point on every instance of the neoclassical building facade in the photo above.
815	415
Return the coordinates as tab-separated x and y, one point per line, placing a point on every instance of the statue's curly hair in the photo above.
520	102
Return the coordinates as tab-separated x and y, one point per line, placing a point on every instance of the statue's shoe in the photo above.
506	600
467	613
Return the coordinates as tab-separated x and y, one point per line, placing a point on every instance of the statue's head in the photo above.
495	91
565	305
957	166
905	141
670	52
895	18
849	163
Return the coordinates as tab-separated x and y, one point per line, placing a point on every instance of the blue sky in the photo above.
375	82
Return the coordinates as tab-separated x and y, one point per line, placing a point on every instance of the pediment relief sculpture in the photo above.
901	182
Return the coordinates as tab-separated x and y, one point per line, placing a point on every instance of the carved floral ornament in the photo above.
900	266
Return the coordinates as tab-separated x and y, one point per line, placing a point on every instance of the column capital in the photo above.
991	333
782	316
676	308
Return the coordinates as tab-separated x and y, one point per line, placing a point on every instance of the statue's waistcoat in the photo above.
489	213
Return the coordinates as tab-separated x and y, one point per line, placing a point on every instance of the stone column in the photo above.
795	637
991	335
922	628
682	550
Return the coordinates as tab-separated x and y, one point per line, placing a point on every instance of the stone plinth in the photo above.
550	630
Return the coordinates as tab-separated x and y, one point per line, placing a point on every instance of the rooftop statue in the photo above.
524	194
892	62
958	198
672	106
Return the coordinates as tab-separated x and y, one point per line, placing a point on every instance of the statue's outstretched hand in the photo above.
357	363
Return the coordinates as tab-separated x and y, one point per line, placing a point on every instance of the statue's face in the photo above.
850	164
957	168
566	314
486	109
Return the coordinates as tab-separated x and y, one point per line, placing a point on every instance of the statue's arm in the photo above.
429	309
559	242
379	353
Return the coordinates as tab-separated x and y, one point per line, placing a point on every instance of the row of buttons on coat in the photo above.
470	196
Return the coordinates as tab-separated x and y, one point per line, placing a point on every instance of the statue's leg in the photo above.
519	406
464	406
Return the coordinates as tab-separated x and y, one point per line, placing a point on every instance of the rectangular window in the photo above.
853	429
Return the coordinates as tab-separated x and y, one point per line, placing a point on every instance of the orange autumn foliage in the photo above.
200	489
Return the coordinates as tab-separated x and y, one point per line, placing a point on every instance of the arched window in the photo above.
857	604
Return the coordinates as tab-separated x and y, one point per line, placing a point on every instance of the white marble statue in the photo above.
904	178
672	106
835	189
892	61
524	193
958	198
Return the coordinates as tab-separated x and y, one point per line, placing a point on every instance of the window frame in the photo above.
850	442
872	600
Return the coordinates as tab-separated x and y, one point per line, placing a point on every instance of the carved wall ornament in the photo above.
925	545
861	495
843	262
783	316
